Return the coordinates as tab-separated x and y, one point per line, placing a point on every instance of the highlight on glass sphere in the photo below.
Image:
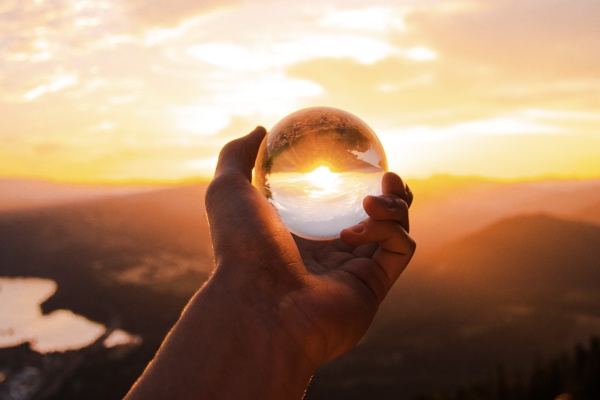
316	166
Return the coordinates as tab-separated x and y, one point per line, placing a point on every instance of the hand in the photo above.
277	306
325	294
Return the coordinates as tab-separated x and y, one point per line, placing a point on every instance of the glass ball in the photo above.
315	166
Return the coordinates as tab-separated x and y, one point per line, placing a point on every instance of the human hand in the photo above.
321	295
277	306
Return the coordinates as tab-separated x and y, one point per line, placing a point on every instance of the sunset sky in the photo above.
114	90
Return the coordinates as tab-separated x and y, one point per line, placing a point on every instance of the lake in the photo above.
22	320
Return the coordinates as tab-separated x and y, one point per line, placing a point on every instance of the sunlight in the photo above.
106	84
322	177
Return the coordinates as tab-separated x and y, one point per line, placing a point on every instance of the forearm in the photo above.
225	346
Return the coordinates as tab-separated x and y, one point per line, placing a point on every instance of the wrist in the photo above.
233	341
269	361
230	343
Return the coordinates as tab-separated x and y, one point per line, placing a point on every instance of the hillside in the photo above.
132	259
589	213
22	194
521	287
447	208
502	272
120	256
529	252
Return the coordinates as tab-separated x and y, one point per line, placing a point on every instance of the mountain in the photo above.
502	272
146	239
520	287
535	252
20	194
446	208
589	213
133	260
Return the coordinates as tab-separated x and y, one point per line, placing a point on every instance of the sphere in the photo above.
315	166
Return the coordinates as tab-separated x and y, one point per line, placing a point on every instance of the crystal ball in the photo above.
315	166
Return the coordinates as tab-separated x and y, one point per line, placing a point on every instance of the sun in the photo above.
323	178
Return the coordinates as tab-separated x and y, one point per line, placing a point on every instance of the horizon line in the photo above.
148	182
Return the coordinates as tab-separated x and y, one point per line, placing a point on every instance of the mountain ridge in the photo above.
526	251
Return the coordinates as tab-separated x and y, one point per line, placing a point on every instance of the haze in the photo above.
100	90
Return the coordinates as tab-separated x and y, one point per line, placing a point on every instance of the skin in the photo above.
277	306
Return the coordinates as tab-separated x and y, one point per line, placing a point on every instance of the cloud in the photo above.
490	59
420	53
539	39
53	85
378	19
117	82
279	54
38	30
501	125
393	90
147	14
235	94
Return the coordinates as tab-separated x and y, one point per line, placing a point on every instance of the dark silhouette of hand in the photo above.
277	306
324	293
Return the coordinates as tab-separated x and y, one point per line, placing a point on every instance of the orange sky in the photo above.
112	90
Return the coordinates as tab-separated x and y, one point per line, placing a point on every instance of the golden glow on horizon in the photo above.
323	178
100	90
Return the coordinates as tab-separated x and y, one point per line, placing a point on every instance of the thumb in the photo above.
242	222
238	156
224	195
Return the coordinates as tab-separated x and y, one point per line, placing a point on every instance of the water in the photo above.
22	321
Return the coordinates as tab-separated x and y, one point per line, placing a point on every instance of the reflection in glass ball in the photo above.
316	166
